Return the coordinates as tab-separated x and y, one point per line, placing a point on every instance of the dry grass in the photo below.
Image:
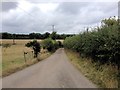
13	57
104	76
18	41
0	61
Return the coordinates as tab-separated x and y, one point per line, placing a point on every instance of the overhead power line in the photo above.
34	17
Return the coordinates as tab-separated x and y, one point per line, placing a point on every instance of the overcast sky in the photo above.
68	17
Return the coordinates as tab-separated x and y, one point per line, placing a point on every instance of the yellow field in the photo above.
13	56
19	41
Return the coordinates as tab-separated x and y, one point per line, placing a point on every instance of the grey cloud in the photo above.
108	7
119	9
67	18
6	6
71	7
85	12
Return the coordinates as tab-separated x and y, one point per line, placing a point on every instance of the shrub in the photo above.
35	46
55	44
102	45
50	44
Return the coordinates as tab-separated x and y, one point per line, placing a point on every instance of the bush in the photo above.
56	44
35	46
102	45
50	44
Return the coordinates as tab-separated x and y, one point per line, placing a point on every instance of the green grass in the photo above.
104	76
13	57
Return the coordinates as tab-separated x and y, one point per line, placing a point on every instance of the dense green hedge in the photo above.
102	44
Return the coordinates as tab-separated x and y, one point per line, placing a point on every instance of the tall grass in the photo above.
104	76
102	45
13	57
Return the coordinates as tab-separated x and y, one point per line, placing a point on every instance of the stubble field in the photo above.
13	59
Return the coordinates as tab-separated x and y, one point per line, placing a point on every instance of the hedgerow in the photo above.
101	44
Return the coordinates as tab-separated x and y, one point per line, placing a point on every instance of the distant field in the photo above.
21	41
13	56
17	41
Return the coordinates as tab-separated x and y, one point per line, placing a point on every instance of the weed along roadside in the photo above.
96	53
104	76
24	53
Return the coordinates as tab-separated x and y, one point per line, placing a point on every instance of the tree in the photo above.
48	44
53	35
35	36
110	22
35	46
63	36
32	36
6	35
46	35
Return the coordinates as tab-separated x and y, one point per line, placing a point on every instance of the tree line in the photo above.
53	35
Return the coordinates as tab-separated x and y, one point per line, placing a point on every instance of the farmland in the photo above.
13	56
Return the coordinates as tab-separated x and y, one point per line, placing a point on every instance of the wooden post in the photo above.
32	54
13	39
24	57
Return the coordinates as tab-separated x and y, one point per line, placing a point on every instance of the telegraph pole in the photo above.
53	27
87	29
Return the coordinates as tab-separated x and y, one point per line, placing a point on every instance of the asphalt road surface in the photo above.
54	72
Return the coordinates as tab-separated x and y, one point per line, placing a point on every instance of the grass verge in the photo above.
13	58
104	76
17	67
